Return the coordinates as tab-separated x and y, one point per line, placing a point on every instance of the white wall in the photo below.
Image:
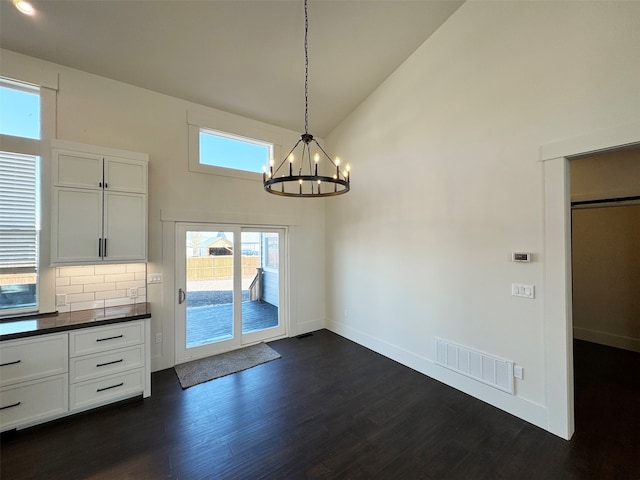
100	111
446	176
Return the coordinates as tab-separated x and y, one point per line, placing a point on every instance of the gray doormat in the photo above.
205	369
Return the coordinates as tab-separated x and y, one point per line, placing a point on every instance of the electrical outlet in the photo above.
518	372
133	293
61	299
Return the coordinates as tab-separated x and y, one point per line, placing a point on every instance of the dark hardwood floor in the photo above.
330	408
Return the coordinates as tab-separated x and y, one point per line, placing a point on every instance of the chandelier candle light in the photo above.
304	171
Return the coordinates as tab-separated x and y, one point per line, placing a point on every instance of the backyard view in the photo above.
210	284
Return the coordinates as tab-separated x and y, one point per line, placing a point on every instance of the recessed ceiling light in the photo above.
24	6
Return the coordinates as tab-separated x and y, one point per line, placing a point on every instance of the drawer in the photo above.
100	339
105	363
33	402
107	389
31	358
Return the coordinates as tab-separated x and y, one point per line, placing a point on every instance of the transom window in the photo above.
224	150
19	109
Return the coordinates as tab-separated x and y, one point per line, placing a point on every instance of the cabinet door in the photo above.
76	225
125	226
76	169
125	175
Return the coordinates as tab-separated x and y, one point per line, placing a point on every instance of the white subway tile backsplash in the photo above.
87	305
134	284
69	289
80	297
120	277
115	302
102	269
99	286
111	294
76	271
136	267
85	279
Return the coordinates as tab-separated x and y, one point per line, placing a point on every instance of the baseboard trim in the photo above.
527	410
306	327
608	339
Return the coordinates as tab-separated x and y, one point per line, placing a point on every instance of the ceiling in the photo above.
244	57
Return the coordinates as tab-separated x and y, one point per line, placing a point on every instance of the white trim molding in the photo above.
557	266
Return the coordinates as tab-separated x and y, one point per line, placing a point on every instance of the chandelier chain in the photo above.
306	69
310	179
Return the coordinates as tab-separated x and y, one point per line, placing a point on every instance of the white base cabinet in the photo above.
34	380
49	376
108	363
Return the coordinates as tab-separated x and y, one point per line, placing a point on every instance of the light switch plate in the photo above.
154	278
522	290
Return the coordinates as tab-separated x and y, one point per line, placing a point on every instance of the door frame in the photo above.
239	340
558	322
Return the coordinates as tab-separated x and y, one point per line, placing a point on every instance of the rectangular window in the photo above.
19	109
229	151
19	226
20	116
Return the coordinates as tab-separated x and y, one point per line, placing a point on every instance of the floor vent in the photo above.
304	335
485	368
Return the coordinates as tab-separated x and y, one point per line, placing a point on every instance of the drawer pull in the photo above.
108	388
10	406
108	338
10	363
109	363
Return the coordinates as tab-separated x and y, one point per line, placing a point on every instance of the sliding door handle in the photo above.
182	296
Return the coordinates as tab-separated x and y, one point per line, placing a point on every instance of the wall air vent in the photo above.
485	368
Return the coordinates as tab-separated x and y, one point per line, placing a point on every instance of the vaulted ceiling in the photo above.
244	57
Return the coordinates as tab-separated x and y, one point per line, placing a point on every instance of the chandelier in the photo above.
306	176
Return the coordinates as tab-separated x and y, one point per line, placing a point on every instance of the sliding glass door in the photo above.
230	286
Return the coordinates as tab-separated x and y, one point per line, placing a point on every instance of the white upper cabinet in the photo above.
125	175
75	169
99	205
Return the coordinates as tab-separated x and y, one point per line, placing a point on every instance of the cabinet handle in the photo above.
109	363
108	388
108	338
105	185
10	406
100	184
10	363
100	247
105	247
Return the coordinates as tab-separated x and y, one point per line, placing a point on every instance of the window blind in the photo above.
18	213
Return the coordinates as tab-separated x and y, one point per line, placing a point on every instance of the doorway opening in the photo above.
557	290
605	265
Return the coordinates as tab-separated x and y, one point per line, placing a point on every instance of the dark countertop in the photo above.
30	326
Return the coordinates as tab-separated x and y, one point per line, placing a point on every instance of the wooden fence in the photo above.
219	266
